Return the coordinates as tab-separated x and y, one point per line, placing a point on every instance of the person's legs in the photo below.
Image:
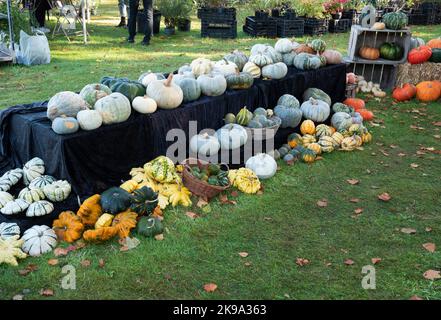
133	13
122	13
40	12
148	11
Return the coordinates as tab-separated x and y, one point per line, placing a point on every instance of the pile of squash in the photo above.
425	91
422	52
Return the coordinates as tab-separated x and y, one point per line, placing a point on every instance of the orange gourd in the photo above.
68	227
90	210
304	48
124	222
307	127
366	114
428	91
435	43
101	234
369	53
355	103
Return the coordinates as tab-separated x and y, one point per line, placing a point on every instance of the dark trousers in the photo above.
133	13
40	8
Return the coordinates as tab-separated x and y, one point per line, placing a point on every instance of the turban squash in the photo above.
68	227
90	210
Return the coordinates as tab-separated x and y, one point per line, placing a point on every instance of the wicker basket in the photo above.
199	187
261	134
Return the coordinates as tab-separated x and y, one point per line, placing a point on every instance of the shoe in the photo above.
145	43
130	40
41	29
122	23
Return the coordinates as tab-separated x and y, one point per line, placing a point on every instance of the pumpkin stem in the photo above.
168	82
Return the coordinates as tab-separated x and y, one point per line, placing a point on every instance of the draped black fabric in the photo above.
92	161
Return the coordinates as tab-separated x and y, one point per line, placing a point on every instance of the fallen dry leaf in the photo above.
234	193
415	298
52	262
30	268
349	262
401	154
428	229
159	237
85	263
384	197
358	210
432	275
408	230
438	123
247	264
210	287
47	292
101	263
223	198
322	203
302	262
353	181
354	200
243	254
18	297
375	260
191	215
60	252
414	165
429	246
202	202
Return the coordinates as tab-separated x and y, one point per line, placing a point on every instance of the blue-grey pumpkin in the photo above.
190	88
65	125
290	116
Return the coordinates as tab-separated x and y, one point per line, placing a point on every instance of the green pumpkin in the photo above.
306	61
115	200
395	20
318	45
288	58
238	58
289	101
291	117
391	51
109	81
416	42
131	89
149	227
239	80
317	94
244	116
144	201
230	118
283	151
341	107
297	153
191	89
436	55
93	92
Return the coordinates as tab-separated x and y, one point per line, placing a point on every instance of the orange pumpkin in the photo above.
355	103
333	130
68	226
437	82
405	92
366	114
304	48
124	222
369	53
307	127
90	210
101	234
435	43
428	91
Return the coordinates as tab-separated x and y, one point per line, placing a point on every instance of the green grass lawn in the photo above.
275	228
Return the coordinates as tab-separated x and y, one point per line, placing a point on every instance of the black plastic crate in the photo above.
290	27
260	27
316	26
219	29
339	26
226	14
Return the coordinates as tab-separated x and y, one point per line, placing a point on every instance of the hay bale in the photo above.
415	73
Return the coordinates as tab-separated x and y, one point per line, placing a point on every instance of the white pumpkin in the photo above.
5	185
39	208
275	71
232	136
204	144
263	165
252	69
15	207
31	195
315	110
201	66
32	169
146	78
89	119
184	69
114	108
258	48
57	191
212	85
41	181
284	46
39	240
65	103
177	78
261	59
13	176
9	230
5	197
225	67
144	104
166	94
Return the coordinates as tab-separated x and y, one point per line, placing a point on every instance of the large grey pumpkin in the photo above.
291	116
288	100
212	85
65	103
315	110
288	58
273	54
341	120
91	93
275	71
191	89
90	119
114	108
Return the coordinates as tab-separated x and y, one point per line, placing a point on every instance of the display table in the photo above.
92	161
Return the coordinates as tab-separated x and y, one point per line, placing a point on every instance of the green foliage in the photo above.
20	19
173	10
265	5
309	8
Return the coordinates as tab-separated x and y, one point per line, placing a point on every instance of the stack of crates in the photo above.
288	27
218	22
340	25
316	27
265	26
426	13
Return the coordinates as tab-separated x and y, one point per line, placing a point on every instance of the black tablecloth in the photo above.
92	161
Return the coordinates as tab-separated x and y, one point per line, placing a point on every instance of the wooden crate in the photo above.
384	74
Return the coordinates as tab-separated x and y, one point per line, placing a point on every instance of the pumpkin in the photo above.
90	210
91	93
308	155
366	114
349	144
212	85
327	144
146	78
288	58
65	103
32	169
315	147
149	227
191	89
245	180
145	104
261	59
184	69
391	51
434	43
244	116
317	94
338	138
273	54
57	191
395	20
5	197
355	103
366	137
104	221
225	67
355	129
252	69
65	125
201	66
294	140
238	58
306	61
161	169
436	55
289	101
369	53
144	201
31	195
115	200
177	78
39	208
341	107
89	119
14	207
290	116
39	240
110	81
307	127
204	144
263	165
427	91
114	108
41	181
341	120
239	80
318	45
419	55
416	42
11	177
166	94
9	230
283	45
379	26
258	48
322	130
307	139
130	89
129	186
351	78
68	227
315	110
124	222
303	48
232	136
275	71
101	234
332	56
10	250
